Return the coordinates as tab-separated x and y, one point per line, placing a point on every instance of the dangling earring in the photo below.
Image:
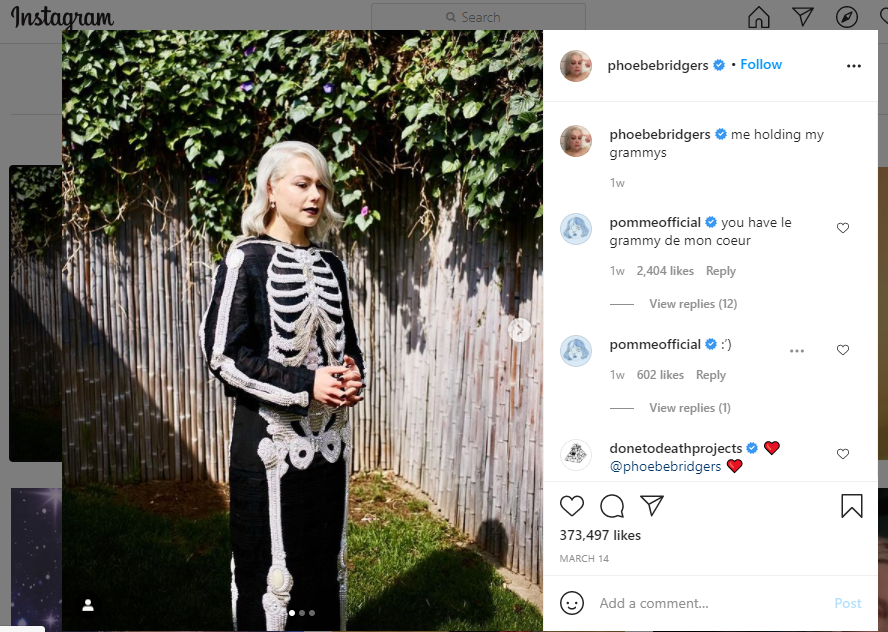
272	204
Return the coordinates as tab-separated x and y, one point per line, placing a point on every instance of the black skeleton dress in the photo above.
278	313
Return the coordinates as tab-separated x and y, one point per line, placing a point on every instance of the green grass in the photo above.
407	570
410	574
152	572
35	435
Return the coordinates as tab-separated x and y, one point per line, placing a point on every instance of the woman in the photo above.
279	334
577	68
576	146
576	229
576	350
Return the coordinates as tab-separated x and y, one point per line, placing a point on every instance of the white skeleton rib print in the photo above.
304	276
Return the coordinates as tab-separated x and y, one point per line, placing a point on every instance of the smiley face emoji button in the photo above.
572	602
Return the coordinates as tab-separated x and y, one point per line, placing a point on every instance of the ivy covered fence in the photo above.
461	110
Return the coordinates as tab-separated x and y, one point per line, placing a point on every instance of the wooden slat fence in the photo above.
453	405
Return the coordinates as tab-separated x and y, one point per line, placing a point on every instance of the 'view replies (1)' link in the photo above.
710	316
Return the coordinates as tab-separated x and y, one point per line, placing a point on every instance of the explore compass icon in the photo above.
846	17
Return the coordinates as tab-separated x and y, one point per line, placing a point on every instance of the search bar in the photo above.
393	16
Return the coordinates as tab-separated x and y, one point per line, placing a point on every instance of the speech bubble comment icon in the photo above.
612	506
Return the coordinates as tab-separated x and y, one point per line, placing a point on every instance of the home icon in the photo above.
758	19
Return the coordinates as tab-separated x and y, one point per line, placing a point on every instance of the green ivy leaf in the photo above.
301	111
425	109
410	129
471	108
450	164
521	102
363	221
191	153
351	196
343	152
413	42
496	65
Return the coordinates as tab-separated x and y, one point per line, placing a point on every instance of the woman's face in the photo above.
574	230
576	139
574	352
576	65
299	195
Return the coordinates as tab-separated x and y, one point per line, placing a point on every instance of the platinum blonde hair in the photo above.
566	70
271	169
569	132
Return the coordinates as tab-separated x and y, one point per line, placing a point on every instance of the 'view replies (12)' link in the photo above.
710	224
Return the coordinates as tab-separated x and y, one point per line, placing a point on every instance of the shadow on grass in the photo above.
35	435
408	569
148	571
452	588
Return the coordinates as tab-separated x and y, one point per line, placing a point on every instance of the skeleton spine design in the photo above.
303	294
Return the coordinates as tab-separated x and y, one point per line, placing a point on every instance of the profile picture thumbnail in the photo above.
576	66
575	229
576	141
575	351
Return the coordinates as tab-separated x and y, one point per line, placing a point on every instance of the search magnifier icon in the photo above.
451	17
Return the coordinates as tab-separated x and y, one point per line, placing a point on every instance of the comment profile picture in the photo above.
576	141
576	66
575	229
575	454
575	351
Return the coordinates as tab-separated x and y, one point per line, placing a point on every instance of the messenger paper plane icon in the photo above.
804	13
852	502
652	502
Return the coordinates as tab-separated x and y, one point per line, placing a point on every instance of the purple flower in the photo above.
365	210
328	88
249	50
246	86
212	180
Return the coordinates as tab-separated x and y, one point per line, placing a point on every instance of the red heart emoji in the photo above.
735	464
772	446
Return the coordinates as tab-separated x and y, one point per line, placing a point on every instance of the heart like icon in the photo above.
843	349
842	226
772	446
572	504
884	14
842	452
735	464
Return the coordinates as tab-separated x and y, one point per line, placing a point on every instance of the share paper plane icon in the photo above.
804	13
652	502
